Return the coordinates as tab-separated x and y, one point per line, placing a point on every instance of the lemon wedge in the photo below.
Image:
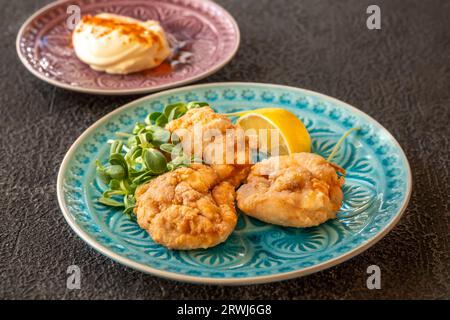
293	136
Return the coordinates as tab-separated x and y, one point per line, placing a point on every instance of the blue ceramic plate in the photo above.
376	192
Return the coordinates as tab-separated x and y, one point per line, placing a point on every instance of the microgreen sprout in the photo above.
138	156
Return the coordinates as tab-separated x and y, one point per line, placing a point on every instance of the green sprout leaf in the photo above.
154	160
129	203
161	136
116	147
196	104
180	161
114	184
143	178
132	154
115	172
101	172
167	147
119	160
110	202
151	118
138	127
161	121
169	108
144	139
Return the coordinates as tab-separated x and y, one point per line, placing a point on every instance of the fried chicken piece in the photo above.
188	208
205	117
201	129
299	190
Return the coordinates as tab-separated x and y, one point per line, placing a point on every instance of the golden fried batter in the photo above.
215	129
299	190
188	208
205	116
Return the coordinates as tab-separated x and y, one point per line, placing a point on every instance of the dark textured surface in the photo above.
399	75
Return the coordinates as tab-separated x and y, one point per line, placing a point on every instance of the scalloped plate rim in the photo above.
113	92
228	281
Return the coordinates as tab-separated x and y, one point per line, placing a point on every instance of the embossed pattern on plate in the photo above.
209	34
376	192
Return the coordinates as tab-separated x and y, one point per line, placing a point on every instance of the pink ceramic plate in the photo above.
205	35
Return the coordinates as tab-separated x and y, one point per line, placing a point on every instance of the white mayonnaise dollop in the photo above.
118	44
